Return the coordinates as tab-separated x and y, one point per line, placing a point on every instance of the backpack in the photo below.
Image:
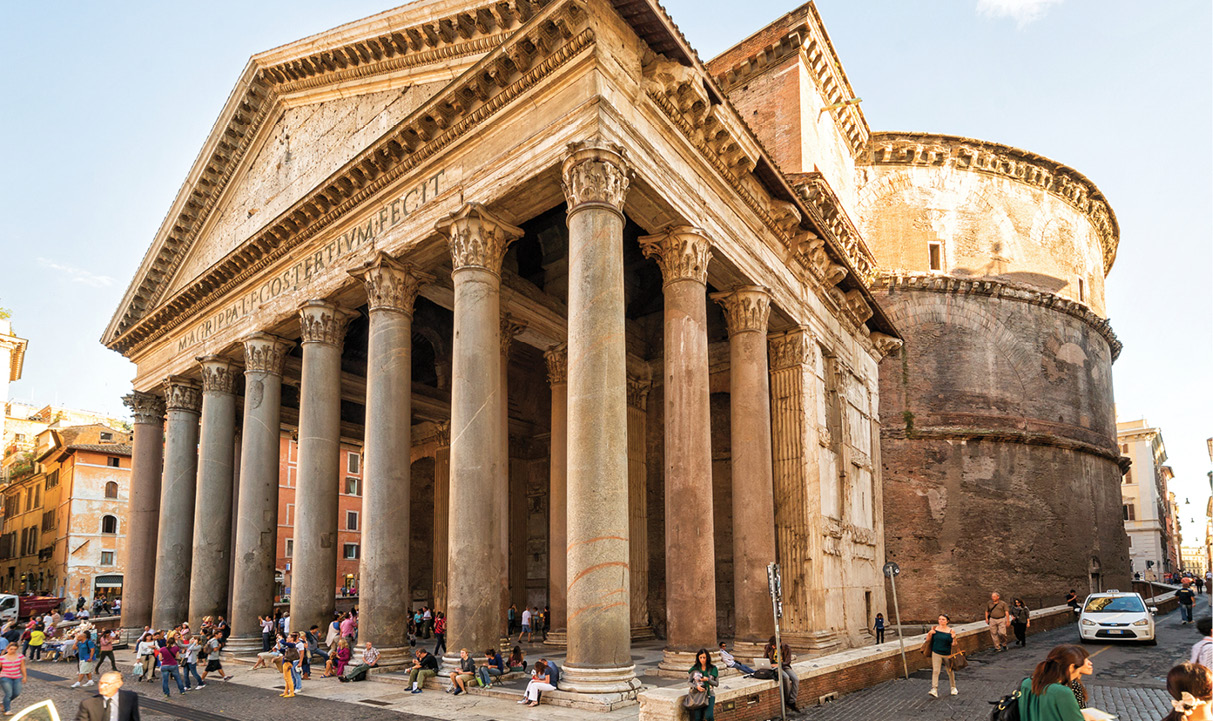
1006	708
766	674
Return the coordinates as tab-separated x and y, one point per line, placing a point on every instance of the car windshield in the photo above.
1115	604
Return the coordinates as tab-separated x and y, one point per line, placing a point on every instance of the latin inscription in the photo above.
321	259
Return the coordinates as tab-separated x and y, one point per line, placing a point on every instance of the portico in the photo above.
510	277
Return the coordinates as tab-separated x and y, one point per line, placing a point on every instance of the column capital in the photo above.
390	284
323	322
442	434
746	308
596	172
510	329
638	392
218	374
146	407
182	394
557	358
792	348
477	238
265	353
683	252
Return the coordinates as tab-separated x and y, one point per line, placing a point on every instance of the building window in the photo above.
107	437
290	547
1129	476
109	524
111	490
353	463
107	558
112	462
1082	291
52	479
351	520
48	521
1130	512
935	255
353	486
290	514
351	551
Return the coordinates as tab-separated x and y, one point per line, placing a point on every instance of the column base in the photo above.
748	651
613	684
242	647
130	635
676	664
388	657
643	633
558	638
813	643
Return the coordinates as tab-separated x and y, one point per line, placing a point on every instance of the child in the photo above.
879	628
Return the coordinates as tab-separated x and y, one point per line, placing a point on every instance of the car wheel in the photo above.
1152	642
1083	639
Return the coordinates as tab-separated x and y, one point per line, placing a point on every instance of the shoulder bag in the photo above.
957	661
696	699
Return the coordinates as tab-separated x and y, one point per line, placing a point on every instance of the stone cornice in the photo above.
145	407
682	252
550	38
898	281
218	374
799	32
1030	438
979	156
831	216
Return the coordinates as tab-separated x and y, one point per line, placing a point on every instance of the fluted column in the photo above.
175	534
746	311
314	570
143	516
384	593
257	523
683	254
442	511
638	503
595	178
797	488
557	361
476	573
213	501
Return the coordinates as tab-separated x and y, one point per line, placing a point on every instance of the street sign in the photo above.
891	569
775	587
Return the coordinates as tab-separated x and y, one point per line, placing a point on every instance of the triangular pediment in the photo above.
338	91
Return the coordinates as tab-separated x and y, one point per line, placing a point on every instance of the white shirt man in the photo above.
286	623
526	617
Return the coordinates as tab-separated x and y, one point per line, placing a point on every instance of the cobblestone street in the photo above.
1128	681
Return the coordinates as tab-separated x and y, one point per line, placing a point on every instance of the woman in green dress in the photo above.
1046	695
703	677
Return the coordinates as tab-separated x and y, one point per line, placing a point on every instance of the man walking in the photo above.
86	654
997	612
1186	599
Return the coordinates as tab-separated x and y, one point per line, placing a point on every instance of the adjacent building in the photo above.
1146	506
64	528
1195	560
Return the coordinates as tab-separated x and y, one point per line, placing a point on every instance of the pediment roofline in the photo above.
418	33
476	94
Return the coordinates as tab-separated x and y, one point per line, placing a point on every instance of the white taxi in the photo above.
1116	616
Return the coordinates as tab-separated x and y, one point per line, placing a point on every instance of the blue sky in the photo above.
105	106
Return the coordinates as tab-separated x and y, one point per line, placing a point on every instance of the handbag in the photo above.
925	648
957	661
1006	708
696	699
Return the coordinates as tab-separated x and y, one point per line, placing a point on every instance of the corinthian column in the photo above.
683	254
557	360
143	516
213	503
746	311
595	177
391	289
170	604
638	505
476	572
511	491
257	524
314	574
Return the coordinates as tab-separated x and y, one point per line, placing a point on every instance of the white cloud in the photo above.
78	275
1022	11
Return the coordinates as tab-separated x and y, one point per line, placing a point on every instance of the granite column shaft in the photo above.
175	534
557	361
211	563
143	516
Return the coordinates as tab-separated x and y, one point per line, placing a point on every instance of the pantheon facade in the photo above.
599	316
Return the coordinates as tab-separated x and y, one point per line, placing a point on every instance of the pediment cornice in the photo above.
416	35
547	40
